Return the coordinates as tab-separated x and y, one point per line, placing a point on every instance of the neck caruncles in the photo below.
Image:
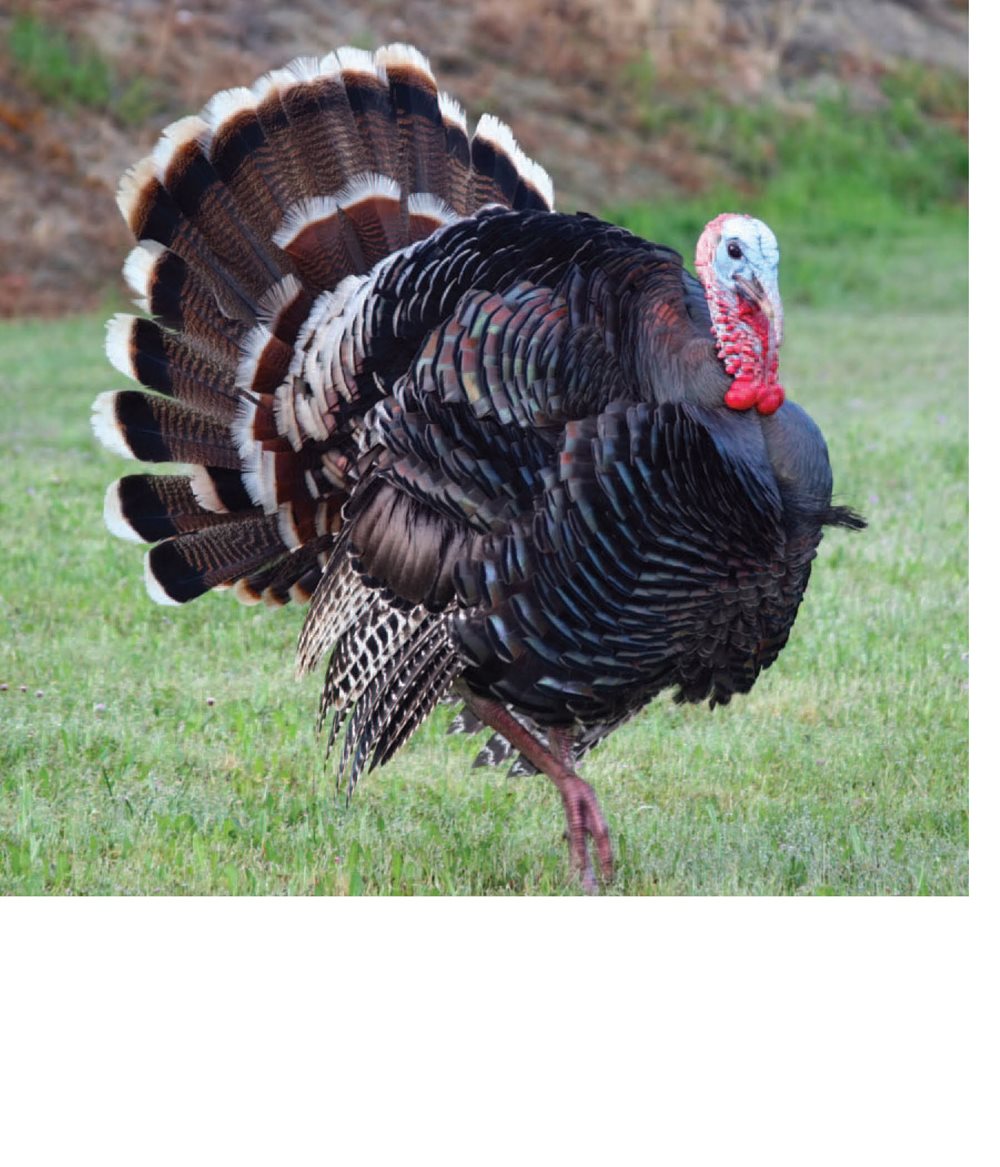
737	261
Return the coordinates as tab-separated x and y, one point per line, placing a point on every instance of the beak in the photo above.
767	299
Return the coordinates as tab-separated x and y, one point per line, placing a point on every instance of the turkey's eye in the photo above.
734	251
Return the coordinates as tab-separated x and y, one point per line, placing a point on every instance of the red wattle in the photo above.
746	339
742	394
771	399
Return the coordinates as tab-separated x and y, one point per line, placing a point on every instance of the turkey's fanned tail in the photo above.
257	223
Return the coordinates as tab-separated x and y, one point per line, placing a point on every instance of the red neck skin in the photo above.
747	343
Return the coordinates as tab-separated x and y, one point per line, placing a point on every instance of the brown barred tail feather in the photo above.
248	217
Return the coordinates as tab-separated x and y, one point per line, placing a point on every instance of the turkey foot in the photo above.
583	818
583	814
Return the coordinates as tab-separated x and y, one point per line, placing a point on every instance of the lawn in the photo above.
146	750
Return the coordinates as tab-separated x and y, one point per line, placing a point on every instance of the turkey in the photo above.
507	456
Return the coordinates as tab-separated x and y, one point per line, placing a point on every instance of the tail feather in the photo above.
294	576
154	217
504	174
185	171
267	349
172	364
182	568
146	508
283	144
252	219
320	113
181	299
247	162
426	213
263	366
371	104
317	110
458	164
322	240
157	429
423	141
284	308
372	206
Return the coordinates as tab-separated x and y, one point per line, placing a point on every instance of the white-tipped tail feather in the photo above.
305	69
253	345
329	66
452	112
277	81
133	182
138	270
118	343
400	56
540	179
205	492
277	298
176	137
226	105
365	186
115	520
246	594
431	207
354	60
287	528
491	129
104	423
501	137
153	586
248	446
303	214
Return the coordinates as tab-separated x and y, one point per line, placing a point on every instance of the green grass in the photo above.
68	72
843	772
868	204
904	146
171	751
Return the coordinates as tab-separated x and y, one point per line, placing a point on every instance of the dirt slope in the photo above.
573	77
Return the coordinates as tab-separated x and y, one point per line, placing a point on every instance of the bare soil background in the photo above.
578	80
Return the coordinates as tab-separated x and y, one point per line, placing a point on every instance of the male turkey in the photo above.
516	455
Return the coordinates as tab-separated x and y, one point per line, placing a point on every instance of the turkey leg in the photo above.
583	814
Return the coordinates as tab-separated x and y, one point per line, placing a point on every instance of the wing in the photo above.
477	369
655	557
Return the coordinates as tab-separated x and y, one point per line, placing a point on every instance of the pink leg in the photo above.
583	814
